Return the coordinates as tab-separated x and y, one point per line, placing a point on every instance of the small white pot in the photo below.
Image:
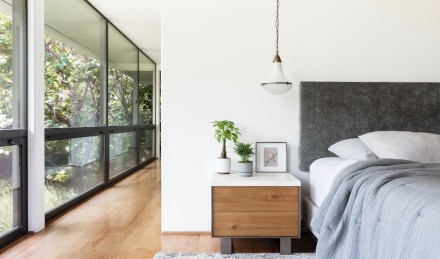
223	165
245	169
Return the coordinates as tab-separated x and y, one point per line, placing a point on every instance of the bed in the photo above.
332	111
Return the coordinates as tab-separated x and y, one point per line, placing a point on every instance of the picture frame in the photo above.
271	157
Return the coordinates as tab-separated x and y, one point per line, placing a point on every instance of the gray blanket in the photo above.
381	209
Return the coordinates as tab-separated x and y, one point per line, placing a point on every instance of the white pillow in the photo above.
352	149
415	146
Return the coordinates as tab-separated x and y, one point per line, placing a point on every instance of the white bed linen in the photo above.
323	172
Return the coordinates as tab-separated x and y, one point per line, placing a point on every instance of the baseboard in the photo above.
186	232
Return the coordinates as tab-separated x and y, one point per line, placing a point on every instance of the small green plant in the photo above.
225	130
244	151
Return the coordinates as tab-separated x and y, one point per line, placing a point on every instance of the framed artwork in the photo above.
271	157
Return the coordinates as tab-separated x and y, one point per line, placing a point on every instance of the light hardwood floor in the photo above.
124	222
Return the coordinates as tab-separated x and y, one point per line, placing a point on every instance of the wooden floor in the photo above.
124	222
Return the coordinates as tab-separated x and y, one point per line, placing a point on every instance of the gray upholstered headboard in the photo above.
333	111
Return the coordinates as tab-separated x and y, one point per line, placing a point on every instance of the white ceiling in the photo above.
139	20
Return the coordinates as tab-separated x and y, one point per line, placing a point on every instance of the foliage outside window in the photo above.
9	185
146	82
6	90
72	97
122	80
122	152
73	166
120	101
146	145
11	78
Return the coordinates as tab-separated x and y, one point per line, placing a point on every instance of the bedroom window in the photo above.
74	93
93	89
13	183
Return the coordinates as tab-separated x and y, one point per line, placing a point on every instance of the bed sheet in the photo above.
323	172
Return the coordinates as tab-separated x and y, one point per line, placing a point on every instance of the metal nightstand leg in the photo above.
285	245
226	245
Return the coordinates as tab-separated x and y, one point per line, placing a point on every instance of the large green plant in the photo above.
225	130
244	151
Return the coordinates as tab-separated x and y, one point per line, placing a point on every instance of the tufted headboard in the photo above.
333	111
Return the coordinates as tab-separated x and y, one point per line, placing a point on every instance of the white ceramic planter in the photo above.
245	169
223	165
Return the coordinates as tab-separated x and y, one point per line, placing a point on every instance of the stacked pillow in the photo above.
414	146
352	149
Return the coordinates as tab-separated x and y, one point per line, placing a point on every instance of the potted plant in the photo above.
225	130
245	165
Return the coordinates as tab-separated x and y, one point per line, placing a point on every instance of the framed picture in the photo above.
271	157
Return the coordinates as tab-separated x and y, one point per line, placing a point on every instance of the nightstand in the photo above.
264	205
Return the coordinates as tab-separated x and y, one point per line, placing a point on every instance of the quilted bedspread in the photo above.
382	208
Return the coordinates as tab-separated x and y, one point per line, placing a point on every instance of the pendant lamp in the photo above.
277	83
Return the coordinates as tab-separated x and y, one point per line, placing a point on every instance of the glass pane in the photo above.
73	69
10	189
73	166
122	80
12	76
146	86
122	152
146	145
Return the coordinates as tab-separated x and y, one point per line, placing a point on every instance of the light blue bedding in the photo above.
381	208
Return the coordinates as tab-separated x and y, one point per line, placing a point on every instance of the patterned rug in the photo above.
233	256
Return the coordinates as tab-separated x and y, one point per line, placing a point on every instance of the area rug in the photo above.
232	256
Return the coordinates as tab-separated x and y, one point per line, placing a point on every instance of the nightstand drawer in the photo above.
256	224
262	199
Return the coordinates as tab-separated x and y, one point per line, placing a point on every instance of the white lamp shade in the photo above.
277	83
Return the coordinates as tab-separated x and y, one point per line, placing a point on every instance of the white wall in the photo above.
215	54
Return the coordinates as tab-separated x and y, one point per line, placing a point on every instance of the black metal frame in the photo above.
106	130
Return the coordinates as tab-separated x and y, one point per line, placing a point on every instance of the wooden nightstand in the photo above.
264	205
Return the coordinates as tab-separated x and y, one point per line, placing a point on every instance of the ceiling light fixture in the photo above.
277	83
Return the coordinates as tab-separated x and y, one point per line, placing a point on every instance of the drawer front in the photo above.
255	199
256	224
